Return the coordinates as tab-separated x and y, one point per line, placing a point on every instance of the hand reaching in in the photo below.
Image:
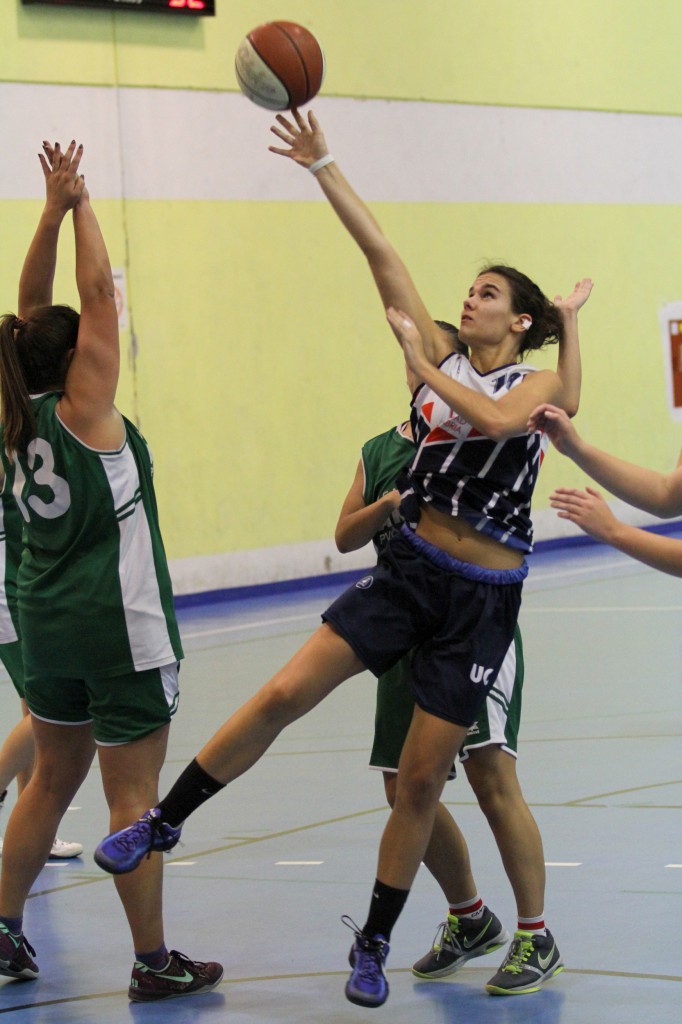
587	509
557	425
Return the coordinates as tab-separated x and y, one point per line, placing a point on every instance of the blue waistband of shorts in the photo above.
467	569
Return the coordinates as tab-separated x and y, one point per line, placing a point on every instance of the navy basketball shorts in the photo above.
459	617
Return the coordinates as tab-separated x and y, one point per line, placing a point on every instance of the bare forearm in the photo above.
355	530
569	367
391	276
477	409
644	488
494	418
351	210
662	553
93	270
37	274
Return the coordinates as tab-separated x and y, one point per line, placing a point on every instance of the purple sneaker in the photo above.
122	851
367	985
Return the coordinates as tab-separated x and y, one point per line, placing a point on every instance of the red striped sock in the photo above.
533	924
470	908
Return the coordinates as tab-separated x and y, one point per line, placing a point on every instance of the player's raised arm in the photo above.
305	144
63	187
87	406
569	366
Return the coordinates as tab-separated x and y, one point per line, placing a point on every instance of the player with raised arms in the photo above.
448	586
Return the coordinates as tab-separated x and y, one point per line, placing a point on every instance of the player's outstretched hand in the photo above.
587	509
304	139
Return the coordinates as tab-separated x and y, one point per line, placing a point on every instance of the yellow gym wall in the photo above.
262	360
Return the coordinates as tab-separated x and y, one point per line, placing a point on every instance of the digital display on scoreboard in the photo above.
181	7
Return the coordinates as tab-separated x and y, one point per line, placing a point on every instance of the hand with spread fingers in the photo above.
63	183
305	140
576	299
588	510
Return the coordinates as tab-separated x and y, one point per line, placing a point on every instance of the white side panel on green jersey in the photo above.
148	637
8	634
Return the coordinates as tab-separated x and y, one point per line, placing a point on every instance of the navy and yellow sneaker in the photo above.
15	956
122	851
367	985
458	940
180	977
532	961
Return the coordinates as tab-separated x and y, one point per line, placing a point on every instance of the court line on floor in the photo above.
540	577
527	610
206	997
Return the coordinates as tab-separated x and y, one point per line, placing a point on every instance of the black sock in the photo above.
384	910
191	789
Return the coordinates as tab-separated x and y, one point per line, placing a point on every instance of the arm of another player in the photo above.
306	144
358	522
590	512
63	187
569	366
660	494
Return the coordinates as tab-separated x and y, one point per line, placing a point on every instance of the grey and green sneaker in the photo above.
531	961
458	940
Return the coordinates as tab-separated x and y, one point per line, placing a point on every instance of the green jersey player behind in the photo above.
99	637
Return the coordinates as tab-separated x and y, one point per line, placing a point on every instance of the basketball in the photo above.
280	65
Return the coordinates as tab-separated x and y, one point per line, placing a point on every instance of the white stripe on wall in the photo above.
320	558
174	144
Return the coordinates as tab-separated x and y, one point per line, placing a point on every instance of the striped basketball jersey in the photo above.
383	458
10	555
460	472
94	592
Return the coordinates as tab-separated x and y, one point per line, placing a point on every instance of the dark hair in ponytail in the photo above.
34	357
547	327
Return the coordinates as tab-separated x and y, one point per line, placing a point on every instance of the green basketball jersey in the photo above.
10	554
383	459
93	588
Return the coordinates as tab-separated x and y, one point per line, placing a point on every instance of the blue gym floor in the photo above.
268	867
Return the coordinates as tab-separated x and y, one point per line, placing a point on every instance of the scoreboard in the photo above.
176	7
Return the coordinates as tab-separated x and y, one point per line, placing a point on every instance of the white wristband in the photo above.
322	162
